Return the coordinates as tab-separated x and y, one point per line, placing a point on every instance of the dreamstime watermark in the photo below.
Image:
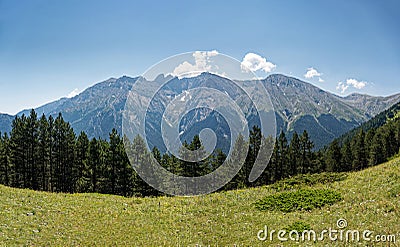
339	233
167	101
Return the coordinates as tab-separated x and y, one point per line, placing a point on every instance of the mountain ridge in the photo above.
298	105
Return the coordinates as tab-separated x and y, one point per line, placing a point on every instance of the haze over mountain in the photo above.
298	105
5	122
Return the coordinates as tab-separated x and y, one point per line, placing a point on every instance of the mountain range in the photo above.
298	106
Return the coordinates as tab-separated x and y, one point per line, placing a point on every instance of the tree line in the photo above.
364	148
45	154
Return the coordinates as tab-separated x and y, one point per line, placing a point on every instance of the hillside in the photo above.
377	121
370	202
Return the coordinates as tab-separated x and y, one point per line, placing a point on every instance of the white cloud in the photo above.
343	86
201	64
253	62
356	84
311	72
73	93
320	79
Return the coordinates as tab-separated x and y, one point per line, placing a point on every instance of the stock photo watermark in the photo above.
340	233
186	89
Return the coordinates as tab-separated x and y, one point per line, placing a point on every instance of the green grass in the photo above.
370	200
299	200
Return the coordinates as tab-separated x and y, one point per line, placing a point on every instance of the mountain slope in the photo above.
96	111
370	202
299	106
370	104
377	121
5	122
302	106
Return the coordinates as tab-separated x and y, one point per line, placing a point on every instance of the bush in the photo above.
303	199
308	180
298	226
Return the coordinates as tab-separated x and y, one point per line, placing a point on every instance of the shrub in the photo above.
308	180
298	226
303	199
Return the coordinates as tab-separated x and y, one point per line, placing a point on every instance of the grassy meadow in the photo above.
370	200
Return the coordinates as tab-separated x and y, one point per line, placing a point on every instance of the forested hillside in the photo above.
45	154
370	144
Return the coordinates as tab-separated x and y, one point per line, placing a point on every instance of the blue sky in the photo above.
50	48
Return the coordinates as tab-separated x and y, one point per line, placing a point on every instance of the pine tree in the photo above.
32	153
44	144
114	159
219	158
347	157
82	169
121	172
18	151
369	140
104	168
359	152
94	162
255	138
126	173
141	160
397	124
186	166
281	166
6	172
70	169
264	156
390	142
63	156
274	163
238	156
201	167
156	154
294	154
52	149
334	157
376	154
306	146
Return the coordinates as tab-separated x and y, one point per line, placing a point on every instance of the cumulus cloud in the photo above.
320	79
201	64
356	84
343	86
311	72
73	93
254	62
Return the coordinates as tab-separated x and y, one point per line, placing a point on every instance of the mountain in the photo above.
205	109
370	104
5	122
377	121
96	110
302	106
298	106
